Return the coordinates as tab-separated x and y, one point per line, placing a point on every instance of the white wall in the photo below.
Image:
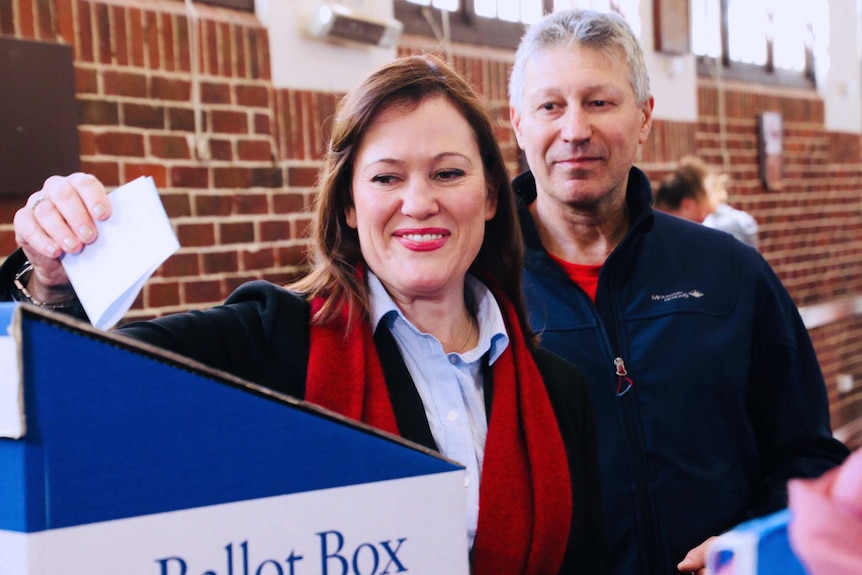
300	61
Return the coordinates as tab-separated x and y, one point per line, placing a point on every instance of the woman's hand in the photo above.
59	219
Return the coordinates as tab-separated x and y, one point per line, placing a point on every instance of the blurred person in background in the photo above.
723	216
683	193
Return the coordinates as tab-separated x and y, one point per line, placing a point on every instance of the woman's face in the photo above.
420	200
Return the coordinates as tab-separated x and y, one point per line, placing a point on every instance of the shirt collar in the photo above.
493	336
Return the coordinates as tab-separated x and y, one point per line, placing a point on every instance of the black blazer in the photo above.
261	334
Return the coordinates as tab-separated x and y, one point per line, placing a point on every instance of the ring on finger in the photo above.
39	199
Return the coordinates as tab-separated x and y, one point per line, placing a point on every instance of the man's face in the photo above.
579	124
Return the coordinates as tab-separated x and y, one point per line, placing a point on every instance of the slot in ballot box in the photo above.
120	458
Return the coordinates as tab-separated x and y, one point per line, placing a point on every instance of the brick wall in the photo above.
238	182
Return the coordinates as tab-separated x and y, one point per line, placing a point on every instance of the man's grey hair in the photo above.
606	32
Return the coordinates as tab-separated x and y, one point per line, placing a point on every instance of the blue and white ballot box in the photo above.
756	547
119	458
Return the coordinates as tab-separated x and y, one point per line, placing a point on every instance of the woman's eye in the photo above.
383	179
447	175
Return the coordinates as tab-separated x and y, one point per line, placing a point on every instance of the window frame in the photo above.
708	66
464	25
245	5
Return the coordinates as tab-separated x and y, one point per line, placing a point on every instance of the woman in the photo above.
415	290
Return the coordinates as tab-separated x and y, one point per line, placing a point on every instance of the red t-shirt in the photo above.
587	277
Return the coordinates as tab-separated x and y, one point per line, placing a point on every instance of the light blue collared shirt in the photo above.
450	385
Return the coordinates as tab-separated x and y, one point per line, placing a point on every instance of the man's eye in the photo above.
600	103
548	106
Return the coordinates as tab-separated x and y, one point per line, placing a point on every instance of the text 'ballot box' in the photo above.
121	458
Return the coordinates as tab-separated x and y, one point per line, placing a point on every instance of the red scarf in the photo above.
525	504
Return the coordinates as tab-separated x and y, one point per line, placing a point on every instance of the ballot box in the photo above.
756	547
120	458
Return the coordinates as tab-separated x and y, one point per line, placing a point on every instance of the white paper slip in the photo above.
109	273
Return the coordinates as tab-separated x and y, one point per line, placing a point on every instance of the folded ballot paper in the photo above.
109	273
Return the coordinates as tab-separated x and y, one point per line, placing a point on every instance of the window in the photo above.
774	41
497	23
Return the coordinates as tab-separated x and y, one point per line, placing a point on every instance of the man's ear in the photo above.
515	120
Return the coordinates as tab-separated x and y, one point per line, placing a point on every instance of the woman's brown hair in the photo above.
406	82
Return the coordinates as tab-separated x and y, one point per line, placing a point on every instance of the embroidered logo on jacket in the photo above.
677	295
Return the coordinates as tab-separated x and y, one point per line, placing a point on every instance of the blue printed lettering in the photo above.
374	555
163	564
393	556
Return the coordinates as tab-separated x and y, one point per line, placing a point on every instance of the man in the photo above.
682	194
707	390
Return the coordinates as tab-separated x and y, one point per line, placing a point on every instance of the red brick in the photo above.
85	49
255	150
169	147
98	113
229	122
236	232
202	292
240	64
201	235
26	19
219	262
225	44
288	203
136	37
182	264
44	20
221	149
250	203
86	142
144	116
292	256
164	88
125	84
276	230
120	144
259	259
213	205
182	44
7	18
103	33
176	205
152	33
163	294
119	36
86	81
264	71
209	48
302	228
107	172
252	96
158	172
181	119
262	124
189	177
7	241
167	28
266	177
233	177
215	93
302	177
